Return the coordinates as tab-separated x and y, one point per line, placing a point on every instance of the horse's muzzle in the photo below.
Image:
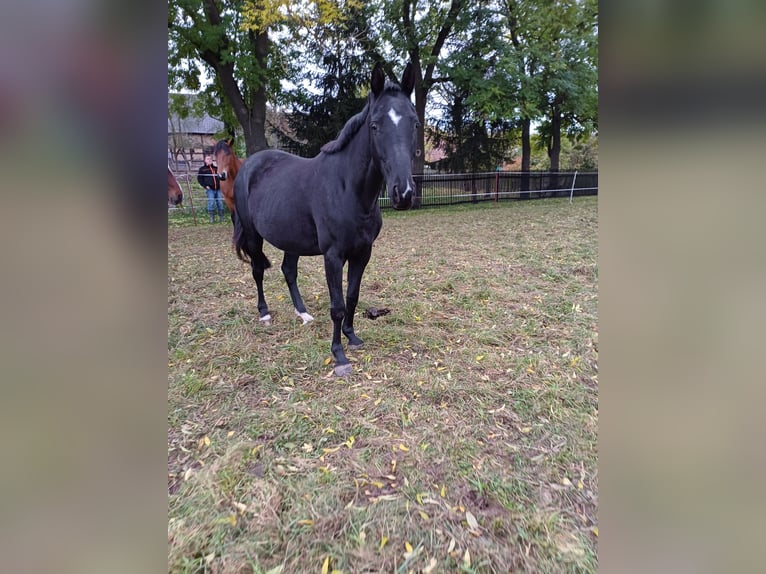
401	200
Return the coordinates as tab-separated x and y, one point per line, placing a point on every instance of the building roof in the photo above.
204	124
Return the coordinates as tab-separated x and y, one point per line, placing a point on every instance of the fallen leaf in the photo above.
443	492
350	442
383	540
328	360
404	448
326	565
423	515
408	547
473	524
242	508
479	357
308	447
451	546
306	522
230	434
467	559
431	565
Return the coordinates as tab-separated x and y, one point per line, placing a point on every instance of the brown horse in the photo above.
175	195
228	167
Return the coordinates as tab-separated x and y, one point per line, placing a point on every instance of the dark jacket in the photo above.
207	176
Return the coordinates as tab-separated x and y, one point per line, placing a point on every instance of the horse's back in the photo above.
277	194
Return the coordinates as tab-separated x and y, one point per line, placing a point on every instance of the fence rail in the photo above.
451	189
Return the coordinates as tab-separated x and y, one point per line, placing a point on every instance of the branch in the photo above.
446	28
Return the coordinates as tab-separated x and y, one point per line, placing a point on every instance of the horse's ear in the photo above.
378	79
408	79
230	142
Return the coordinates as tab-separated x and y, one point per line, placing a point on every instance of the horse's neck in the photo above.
234	167
364	174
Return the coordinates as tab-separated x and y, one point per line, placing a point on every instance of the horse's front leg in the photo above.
333	268
356	267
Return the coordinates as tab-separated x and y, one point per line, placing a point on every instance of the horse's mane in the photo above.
352	126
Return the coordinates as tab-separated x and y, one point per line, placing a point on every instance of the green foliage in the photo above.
485	67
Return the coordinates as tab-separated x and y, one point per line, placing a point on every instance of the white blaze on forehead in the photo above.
394	116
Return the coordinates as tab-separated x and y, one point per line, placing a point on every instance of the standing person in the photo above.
207	176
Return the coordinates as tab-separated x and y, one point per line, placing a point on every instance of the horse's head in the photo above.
393	126
228	167
175	195
226	159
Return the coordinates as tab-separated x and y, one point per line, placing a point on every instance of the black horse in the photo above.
328	205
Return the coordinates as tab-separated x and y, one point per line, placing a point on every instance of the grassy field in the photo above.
465	440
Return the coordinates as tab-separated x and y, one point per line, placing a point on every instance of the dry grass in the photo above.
464	440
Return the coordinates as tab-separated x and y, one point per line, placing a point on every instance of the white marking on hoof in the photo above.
266	319
396	118
343	370
305	317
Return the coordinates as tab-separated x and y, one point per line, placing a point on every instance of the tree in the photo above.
418	33
231	40
477	136
568	89
337	67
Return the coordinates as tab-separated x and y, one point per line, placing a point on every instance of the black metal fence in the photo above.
450	189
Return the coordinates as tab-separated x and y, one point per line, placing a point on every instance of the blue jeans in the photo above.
214	196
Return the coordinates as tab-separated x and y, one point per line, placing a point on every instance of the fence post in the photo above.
191	196
571	192
497	184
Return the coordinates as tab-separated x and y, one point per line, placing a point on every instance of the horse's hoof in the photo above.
266	320
343	370
305	317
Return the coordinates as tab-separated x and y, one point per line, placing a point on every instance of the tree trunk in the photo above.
526	155
419	162
554	151
257	116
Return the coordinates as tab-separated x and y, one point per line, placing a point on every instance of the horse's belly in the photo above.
290	235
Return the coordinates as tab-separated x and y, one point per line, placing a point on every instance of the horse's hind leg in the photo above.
290	271
259	263
356	267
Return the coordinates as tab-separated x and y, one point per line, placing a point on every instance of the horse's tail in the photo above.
242	248
239	240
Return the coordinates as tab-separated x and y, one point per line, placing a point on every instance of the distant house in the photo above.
191	137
